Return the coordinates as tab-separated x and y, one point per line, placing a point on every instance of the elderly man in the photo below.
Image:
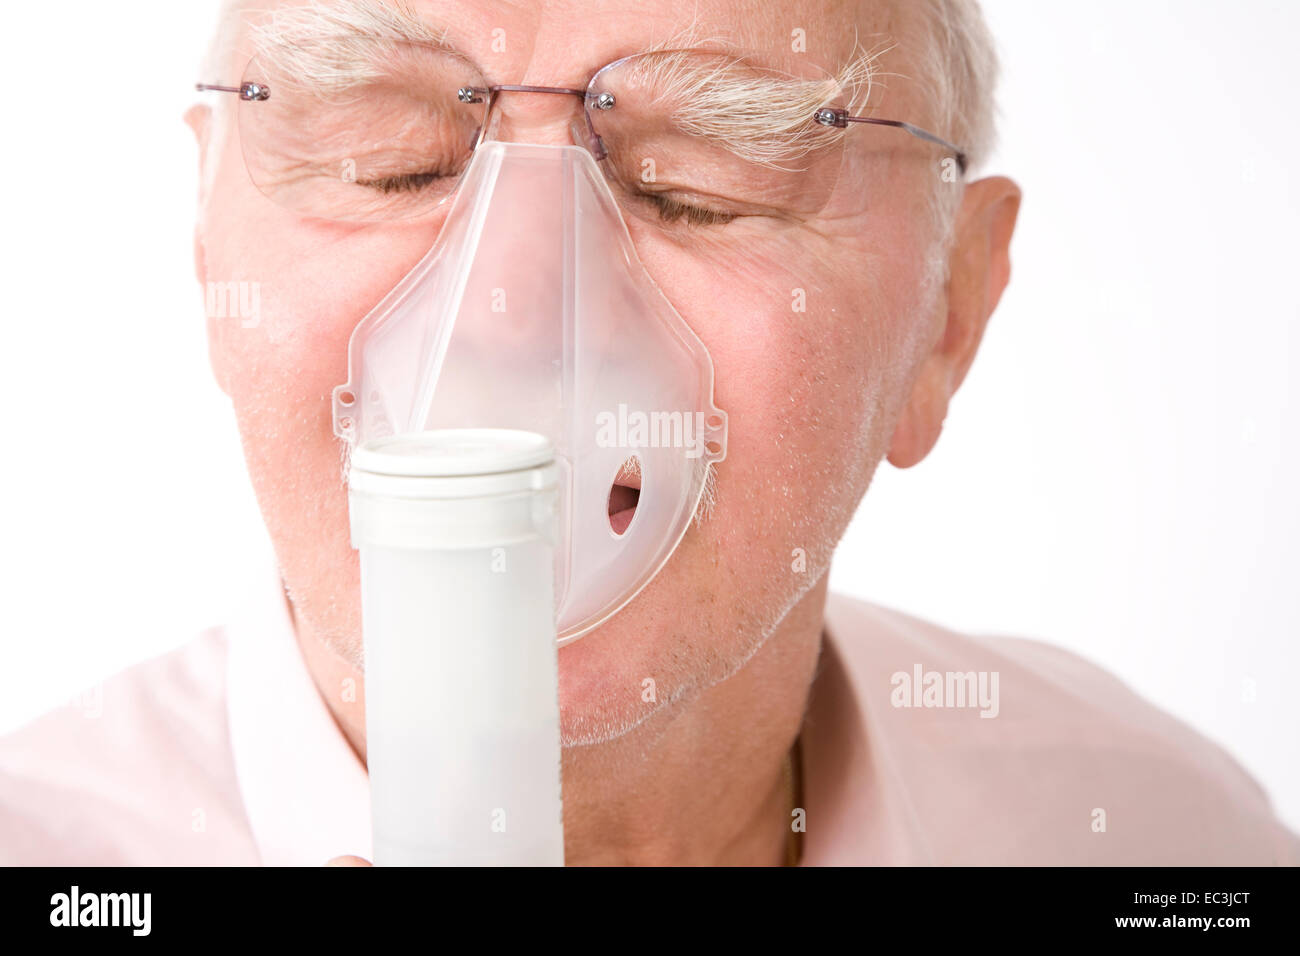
829	245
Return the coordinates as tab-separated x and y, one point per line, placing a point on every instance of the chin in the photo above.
602	674
674	639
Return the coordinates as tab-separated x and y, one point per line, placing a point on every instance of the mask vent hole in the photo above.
624	495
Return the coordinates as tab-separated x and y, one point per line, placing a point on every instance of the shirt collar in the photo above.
832	741
306	793
855	787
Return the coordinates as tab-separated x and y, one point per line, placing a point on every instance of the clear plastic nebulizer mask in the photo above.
532	312
493	399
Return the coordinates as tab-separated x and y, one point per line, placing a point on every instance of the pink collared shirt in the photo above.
223	752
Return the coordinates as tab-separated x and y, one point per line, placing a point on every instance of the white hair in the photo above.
358	32
957	68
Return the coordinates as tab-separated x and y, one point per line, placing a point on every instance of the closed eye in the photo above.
403	182
674	210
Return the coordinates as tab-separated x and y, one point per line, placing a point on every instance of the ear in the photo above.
199	119
979	266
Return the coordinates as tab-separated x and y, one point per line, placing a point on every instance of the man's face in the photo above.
815	327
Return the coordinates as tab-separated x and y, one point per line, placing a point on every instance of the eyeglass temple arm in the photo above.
841	119
246	91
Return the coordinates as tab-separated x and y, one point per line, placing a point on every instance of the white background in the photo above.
1118	475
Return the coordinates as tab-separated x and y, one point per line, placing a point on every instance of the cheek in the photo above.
802	342
315	280
279	365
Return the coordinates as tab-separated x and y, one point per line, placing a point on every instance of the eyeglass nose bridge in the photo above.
490	94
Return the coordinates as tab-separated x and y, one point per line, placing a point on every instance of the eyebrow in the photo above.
318	44
761	115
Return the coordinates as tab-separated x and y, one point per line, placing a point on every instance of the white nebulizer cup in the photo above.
456	531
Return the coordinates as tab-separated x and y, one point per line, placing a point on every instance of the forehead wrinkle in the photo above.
830	30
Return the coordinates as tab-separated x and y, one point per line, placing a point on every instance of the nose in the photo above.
544	116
